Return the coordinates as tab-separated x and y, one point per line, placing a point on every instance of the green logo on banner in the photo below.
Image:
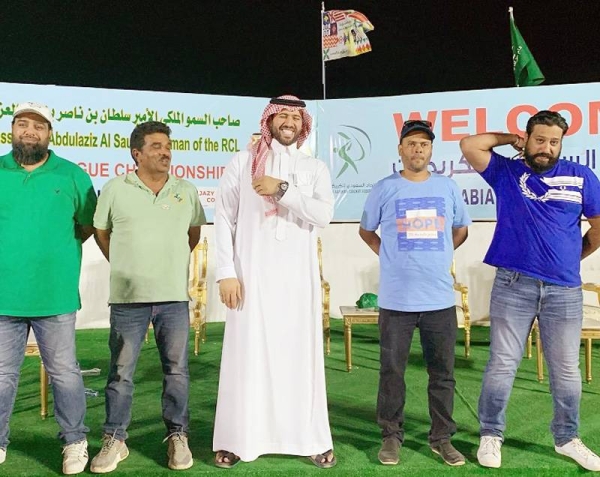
352	146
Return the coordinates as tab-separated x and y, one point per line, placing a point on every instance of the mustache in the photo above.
543	154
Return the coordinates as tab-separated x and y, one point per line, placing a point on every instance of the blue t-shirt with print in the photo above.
538	232
415	256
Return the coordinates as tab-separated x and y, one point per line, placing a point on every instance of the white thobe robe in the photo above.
272	396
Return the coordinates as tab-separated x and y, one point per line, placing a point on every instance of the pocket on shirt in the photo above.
303	180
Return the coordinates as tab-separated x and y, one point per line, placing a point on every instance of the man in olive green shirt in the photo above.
147	222
46	208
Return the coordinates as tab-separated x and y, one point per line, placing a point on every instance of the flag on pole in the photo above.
527	72
344	34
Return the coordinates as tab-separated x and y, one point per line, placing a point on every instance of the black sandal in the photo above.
233	459
321	461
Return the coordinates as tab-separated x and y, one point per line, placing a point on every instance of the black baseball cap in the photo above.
416	125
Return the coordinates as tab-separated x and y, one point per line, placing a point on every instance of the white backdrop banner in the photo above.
92	128
357	138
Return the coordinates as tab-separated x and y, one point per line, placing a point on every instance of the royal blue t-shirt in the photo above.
538	232
415	255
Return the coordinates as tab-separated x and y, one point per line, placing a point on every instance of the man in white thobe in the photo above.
272	396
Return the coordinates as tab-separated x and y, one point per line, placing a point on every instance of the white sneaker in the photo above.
578	451
488	453
113	451
180	456
2	456
75	457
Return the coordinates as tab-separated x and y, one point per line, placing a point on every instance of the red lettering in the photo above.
213	172
449	123
121	169
420	224
178	171
480	120
576	116
414	115
95	169
594	110
512	118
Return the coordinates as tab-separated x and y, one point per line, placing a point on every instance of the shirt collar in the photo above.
279	148
132	178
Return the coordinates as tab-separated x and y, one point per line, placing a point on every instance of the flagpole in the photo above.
323	81
512	17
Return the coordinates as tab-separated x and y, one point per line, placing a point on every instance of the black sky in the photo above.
266	48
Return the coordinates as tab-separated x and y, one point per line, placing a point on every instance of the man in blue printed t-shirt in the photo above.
422	218
537	248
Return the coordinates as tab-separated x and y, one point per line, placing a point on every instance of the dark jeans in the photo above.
128	325
438	338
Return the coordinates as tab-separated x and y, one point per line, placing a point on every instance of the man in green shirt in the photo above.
147	222
46	210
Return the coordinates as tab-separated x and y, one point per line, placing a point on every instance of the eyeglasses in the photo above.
421	122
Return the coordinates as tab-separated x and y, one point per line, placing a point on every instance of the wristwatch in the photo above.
282	189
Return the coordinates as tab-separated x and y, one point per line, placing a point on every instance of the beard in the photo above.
29	154
276	134
540	168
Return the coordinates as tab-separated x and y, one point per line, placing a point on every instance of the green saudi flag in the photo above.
527	72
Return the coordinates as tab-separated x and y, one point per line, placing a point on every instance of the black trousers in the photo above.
437	330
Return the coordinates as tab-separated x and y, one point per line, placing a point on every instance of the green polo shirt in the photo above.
149	248
40	251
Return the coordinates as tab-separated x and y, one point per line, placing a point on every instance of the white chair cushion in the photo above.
591	317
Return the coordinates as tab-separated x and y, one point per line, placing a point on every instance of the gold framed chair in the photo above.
590	330
463	314
198	293
325	289
32	349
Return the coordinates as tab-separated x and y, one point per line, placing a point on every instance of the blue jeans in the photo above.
128	325
516	300
55	336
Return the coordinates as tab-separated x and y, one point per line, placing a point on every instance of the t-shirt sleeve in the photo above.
461	215
371	216
495	169
198	216
591	194
103	215
86	199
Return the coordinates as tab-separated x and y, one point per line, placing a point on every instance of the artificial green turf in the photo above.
528	448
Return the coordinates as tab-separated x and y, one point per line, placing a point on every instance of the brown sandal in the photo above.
220	457
321	461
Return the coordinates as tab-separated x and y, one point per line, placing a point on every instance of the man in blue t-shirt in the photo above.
537	247
422	218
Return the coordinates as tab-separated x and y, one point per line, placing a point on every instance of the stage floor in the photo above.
528	449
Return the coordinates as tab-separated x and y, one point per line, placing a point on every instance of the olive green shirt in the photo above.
149	249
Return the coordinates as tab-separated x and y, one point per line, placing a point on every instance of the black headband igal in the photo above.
296	103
